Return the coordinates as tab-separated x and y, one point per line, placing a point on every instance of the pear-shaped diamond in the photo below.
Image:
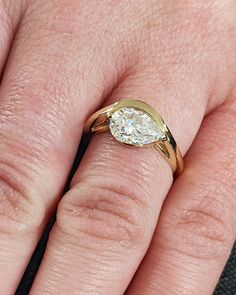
133	126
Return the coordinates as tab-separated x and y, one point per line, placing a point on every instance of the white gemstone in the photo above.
133	126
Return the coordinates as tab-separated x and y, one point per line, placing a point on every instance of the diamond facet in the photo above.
133	126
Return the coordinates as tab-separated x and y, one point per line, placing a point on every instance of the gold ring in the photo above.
135	123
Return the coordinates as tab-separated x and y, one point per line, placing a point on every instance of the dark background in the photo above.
226	285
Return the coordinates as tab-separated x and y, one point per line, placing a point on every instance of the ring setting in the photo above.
133	127
135	123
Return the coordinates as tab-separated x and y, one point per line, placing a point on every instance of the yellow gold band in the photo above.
135	123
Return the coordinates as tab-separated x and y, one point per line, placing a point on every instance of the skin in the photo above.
123	226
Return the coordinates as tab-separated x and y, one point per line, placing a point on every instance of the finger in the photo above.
50	84
197	227
10	15
105	223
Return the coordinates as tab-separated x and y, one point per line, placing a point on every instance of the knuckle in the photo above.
200	20
21	210
193	29
207	232
204	231
103	214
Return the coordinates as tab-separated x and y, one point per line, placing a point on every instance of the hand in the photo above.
60	61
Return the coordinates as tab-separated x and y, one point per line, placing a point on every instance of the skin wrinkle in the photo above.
105	205
109	228
98	267
13	176
8	205
21	156
218	229
206	233
177	259
108	252
16	174
103	266
211	201
101	160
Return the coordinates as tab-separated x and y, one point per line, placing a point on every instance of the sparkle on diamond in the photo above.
133	126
